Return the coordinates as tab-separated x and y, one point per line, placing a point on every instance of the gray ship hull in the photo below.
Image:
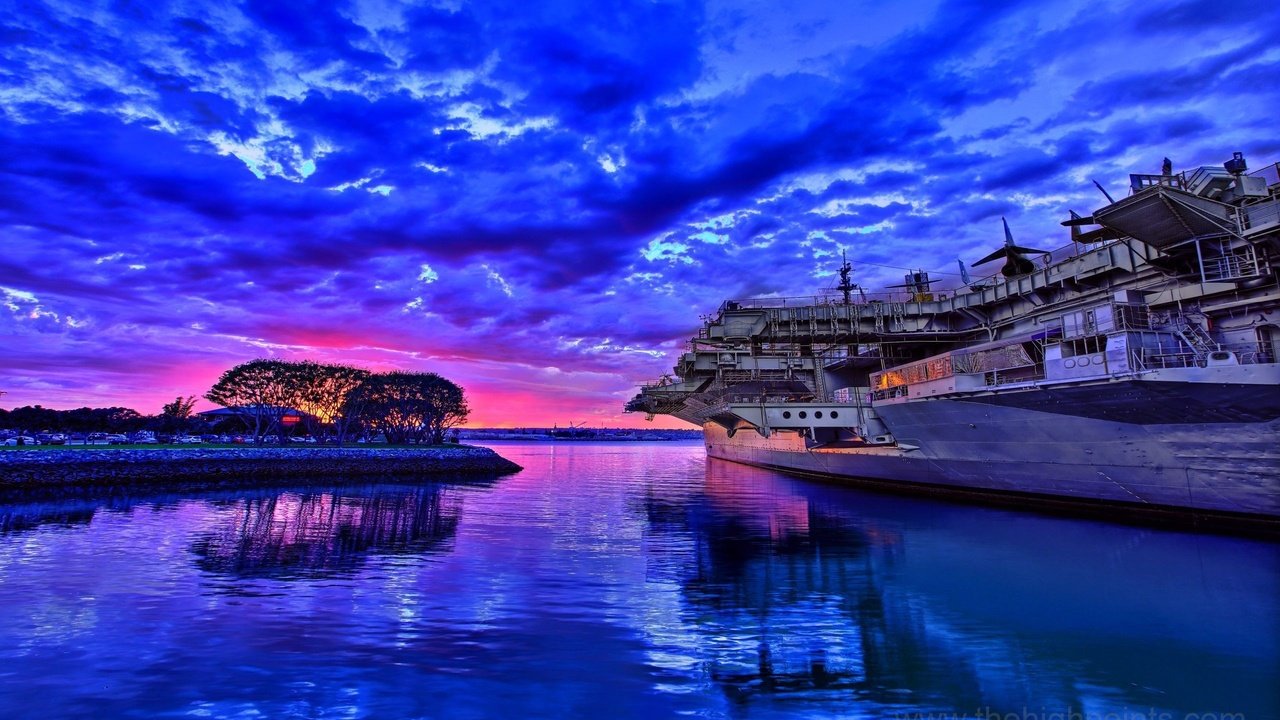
1176	470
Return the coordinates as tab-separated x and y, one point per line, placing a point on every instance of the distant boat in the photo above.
573	432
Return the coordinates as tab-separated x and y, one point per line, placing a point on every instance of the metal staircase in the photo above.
1194	336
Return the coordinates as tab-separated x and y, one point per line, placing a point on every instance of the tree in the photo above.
123	420
408	407
392	405
262	390
176	415
412	407
324	395
449	404
34	418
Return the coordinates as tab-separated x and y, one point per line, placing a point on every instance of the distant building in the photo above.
288	416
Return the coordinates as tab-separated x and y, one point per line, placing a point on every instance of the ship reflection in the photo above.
804	593
302	534
790	601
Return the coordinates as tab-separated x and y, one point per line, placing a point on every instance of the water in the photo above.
626	580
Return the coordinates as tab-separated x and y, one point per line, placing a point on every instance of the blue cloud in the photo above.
203	183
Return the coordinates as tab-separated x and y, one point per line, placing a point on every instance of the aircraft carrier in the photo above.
1135	371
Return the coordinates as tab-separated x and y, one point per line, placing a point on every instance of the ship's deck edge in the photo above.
1254	525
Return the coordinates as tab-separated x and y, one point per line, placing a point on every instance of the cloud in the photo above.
581	180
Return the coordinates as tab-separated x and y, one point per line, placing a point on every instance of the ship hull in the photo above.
1220	474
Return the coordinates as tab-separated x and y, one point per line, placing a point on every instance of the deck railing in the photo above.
1270	172
1161	359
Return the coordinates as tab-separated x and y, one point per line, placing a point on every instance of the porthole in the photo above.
818	414
786	414
834	414
803	414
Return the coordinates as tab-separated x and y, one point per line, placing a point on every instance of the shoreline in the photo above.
74	472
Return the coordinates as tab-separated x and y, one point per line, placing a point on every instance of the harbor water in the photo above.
623	580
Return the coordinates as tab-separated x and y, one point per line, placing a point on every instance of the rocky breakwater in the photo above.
72	471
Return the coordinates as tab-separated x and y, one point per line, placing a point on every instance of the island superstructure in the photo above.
1136	369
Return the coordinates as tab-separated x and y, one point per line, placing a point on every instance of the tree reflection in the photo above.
298	534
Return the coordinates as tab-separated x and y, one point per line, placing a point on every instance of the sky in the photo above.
540	200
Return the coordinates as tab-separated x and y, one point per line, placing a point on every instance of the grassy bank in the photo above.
70	470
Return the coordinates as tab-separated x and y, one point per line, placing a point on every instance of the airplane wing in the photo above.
997	254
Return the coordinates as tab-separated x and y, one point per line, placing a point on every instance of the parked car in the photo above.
21	440
116	439
188	440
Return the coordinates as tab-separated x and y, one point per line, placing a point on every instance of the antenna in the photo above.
1104	191
846	286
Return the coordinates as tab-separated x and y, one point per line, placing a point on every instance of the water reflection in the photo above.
622	581
804	593
315	534
30	516
306	532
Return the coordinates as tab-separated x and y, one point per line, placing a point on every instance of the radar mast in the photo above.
846	285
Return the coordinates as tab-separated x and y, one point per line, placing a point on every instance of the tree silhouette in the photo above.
177	414
261	390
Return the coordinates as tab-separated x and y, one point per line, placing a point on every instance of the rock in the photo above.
62	472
